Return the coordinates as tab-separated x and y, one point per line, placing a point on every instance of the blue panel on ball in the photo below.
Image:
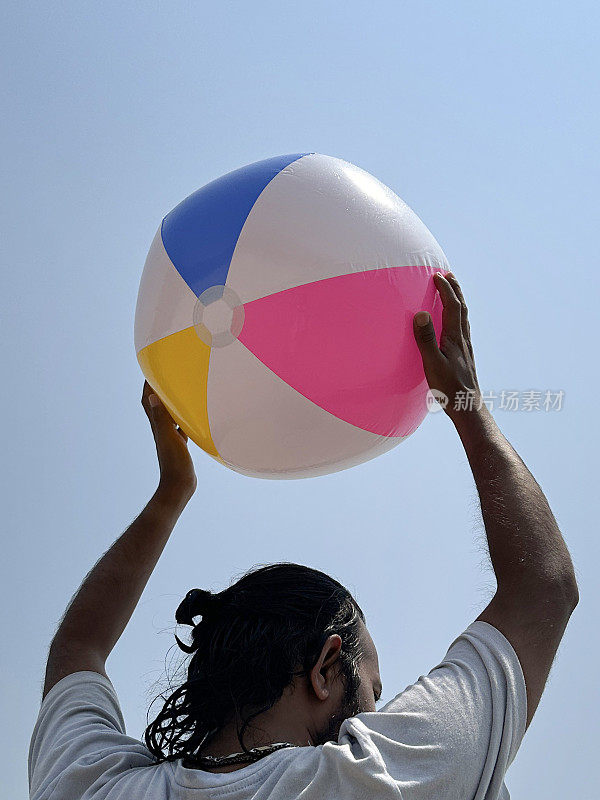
201	233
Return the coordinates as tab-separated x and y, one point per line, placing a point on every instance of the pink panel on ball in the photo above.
347	344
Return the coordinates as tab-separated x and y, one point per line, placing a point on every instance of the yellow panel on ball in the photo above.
177	369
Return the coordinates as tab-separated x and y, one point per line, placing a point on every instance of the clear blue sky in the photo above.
484	118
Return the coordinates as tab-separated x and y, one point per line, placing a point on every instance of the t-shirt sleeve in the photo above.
79	739
454	732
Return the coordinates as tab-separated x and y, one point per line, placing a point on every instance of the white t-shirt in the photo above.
450	736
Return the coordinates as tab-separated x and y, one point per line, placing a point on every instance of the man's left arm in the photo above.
101	609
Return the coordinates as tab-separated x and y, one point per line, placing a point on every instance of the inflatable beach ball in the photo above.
274	316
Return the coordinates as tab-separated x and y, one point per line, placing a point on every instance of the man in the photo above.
279	701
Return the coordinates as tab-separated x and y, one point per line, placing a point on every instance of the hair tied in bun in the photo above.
196	603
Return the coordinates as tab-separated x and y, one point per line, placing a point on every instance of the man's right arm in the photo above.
537	589
525	543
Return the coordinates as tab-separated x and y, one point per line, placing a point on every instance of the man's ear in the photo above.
324	671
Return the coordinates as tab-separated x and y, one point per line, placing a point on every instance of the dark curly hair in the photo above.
246	650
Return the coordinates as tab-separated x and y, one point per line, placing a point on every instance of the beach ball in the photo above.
274	316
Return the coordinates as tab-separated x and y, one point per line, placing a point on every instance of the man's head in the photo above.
282	637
